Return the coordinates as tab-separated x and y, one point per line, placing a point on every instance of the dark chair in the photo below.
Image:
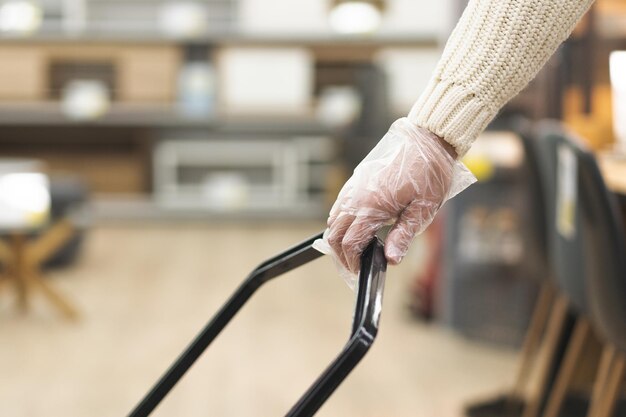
69	197
566	252
545	330
589	259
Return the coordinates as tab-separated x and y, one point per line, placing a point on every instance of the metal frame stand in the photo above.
364	328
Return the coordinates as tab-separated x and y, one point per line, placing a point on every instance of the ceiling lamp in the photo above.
356	16
20	16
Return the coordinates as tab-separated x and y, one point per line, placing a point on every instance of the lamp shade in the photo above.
24	195
356	16
20	16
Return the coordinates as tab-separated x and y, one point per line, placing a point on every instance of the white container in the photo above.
85	99
196	89
183	19
265	81
618	83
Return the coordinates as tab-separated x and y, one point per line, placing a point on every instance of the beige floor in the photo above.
145	291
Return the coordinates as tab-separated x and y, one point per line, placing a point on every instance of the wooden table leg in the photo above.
6	253
612	388
565	375
607	360
554	331
60	302
6	261
532	340
26	259
4	280
18	243
37	253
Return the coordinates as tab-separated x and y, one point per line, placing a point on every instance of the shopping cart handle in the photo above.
369	296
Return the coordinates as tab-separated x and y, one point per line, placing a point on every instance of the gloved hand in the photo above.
403	181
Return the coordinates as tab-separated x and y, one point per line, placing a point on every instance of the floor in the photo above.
144	292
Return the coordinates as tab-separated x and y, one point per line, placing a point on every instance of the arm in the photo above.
497	47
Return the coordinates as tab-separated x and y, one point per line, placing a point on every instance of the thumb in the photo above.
413	220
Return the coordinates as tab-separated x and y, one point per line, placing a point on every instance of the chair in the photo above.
544	336
606	280
586	237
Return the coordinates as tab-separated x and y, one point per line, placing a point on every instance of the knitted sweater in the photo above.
497	47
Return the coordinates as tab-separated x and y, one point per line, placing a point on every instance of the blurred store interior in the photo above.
154	152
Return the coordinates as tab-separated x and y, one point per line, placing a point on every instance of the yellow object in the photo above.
481	167
37	219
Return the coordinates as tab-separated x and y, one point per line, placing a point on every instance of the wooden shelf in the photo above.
47	114
144	208
155	37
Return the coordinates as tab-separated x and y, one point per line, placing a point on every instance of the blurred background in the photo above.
153	152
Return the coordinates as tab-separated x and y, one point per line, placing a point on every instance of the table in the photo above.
22	258
613	169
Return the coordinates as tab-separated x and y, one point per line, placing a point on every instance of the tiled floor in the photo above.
145	291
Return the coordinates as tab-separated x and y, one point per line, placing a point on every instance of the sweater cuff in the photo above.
451	112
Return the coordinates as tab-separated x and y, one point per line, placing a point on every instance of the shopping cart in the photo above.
369	296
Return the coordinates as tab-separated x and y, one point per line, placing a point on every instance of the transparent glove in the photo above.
402	182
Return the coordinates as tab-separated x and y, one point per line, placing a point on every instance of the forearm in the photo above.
497	47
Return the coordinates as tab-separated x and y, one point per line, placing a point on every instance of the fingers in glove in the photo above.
336	235
413	220
357	237
343	198
334	213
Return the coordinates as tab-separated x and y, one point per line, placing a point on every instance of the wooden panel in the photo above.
81	52
22	73
612	6
103	172
144	73
148	74
596	128
614	172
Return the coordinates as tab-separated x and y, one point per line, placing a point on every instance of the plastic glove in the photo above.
403	181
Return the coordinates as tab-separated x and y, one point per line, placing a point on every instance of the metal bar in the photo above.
364	330
286	261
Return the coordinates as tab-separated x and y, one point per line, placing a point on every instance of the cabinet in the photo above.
243	174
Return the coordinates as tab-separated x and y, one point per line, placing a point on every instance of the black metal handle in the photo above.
364	329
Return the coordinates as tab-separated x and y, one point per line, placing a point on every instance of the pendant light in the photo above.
356	16
20	16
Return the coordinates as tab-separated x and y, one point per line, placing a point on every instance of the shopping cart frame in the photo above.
368	307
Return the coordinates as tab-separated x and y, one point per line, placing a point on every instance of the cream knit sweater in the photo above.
497	47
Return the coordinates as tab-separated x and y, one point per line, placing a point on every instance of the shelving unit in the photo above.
273	174
118	153
588	99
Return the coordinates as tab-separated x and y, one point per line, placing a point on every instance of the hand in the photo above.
403	181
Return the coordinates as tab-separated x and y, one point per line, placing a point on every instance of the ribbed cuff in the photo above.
451	112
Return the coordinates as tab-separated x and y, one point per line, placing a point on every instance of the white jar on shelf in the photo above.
196	89
85	99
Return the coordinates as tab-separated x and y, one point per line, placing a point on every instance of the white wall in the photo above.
418	17
408	71
283	16
409	17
